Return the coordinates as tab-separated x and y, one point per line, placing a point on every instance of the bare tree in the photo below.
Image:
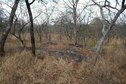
105	29
48	14
17	24
32	26
75	3
73	6
9	26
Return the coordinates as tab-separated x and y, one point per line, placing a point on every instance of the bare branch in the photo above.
70	2
32	2
96	3
67	4
111	7
117	3
123	1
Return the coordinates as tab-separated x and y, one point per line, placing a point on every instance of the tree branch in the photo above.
123	1
32	2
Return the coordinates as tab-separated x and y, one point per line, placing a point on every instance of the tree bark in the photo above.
75	3
32	27
75	20
7	30
75	25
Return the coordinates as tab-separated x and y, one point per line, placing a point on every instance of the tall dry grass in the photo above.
25	69
115	51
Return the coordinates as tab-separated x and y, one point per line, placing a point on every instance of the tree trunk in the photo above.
106	32
31	28
75	25
7	30
75	3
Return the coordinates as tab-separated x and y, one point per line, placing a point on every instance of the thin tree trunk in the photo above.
32	27
75	25
75	3
7	30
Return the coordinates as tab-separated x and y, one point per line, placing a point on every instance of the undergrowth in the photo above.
23	68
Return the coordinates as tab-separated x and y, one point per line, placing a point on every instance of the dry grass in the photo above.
115	51
23	68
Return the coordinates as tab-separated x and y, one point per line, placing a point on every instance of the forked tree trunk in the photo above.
7	30
32	27
106	32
